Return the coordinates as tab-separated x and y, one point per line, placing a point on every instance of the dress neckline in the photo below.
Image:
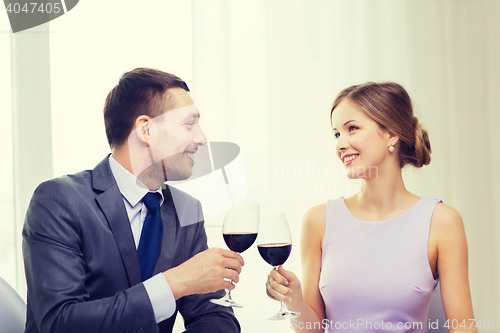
382	221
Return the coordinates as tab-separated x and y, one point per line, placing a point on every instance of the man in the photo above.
99	257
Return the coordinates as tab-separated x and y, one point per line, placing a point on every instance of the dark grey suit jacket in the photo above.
82	267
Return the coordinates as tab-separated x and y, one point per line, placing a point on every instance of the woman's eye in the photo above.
351	128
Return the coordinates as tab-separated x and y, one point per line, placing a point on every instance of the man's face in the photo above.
174	137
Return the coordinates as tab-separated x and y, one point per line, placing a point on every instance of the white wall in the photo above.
264	74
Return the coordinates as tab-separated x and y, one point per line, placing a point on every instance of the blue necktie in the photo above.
151	235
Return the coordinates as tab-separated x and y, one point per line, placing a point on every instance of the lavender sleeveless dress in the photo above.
375	276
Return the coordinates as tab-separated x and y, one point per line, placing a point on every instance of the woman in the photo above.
371	261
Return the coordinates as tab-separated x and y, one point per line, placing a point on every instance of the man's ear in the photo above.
142	128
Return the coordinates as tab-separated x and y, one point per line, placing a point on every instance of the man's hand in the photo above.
205	273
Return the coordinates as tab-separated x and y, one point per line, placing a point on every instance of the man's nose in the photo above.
199	137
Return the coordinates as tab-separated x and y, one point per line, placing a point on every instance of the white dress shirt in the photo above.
133	190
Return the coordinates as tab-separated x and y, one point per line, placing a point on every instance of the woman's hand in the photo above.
283	285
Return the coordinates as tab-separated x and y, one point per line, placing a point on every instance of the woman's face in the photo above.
362	145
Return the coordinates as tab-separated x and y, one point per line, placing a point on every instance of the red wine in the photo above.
275	254
239	242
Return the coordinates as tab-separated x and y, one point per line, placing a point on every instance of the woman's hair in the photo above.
389	105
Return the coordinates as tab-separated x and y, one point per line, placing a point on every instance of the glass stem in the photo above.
283	308
229	292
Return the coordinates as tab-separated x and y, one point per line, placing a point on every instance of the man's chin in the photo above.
178	176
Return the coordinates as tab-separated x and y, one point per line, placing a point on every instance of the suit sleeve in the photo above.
201	315
58	299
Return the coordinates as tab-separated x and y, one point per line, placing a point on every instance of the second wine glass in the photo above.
240	228
275	245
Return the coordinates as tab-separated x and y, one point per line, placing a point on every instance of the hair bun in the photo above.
422	146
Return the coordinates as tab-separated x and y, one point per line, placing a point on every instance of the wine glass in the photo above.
275	244
239	230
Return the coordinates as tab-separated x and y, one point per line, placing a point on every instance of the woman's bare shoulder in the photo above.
313	223
445	216
446	223
315	216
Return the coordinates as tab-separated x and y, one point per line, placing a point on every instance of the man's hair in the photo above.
142	91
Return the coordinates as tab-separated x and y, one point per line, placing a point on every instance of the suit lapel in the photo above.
169	217
111	203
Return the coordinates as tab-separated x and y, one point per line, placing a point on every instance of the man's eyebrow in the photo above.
192	114
347	122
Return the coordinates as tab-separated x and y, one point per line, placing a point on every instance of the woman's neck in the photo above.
384	193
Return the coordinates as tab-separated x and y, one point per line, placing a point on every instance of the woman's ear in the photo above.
393	138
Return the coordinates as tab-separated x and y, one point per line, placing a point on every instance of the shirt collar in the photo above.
131	188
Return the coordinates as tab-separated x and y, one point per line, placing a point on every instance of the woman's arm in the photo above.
452	265
284	286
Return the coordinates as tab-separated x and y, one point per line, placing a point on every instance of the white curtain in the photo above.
266	72
7	227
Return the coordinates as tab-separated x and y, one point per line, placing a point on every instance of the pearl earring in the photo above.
391	149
